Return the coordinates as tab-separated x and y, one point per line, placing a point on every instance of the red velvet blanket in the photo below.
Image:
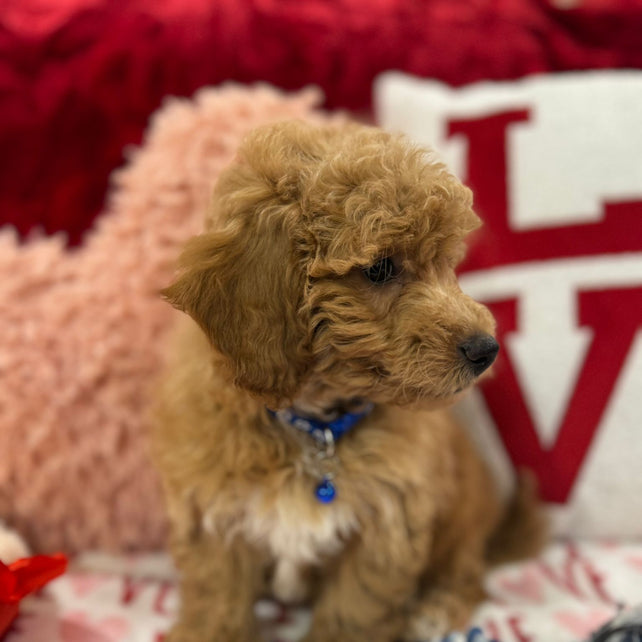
79	78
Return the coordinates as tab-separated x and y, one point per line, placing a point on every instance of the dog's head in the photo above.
328	261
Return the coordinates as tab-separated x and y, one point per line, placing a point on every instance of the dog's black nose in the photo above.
479	352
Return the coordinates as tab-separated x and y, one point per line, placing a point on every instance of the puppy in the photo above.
302	431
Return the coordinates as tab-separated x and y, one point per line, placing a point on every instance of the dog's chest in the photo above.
293	527
299	532
299	528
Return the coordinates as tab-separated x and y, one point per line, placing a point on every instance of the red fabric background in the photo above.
79	78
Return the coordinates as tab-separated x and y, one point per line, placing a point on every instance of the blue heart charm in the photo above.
325	491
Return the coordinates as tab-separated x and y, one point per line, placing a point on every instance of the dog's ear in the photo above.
243	287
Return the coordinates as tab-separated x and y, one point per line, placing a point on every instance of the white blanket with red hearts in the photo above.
561	597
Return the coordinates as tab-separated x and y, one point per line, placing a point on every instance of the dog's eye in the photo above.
381	271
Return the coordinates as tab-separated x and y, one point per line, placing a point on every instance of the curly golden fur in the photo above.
286	316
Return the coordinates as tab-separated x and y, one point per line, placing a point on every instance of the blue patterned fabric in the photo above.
624	627
474	635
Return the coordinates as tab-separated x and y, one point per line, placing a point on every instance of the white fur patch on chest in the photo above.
296	529
301	531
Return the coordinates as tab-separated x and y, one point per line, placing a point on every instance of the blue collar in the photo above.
318	429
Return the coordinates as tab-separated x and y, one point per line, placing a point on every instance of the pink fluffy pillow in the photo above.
83	333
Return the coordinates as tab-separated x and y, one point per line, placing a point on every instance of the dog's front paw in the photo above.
179	633
427	625
424	631
176	635
184	633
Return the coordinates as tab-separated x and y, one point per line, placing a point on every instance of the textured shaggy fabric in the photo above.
83	332
78	78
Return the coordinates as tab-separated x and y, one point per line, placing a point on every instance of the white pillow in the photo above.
556	166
